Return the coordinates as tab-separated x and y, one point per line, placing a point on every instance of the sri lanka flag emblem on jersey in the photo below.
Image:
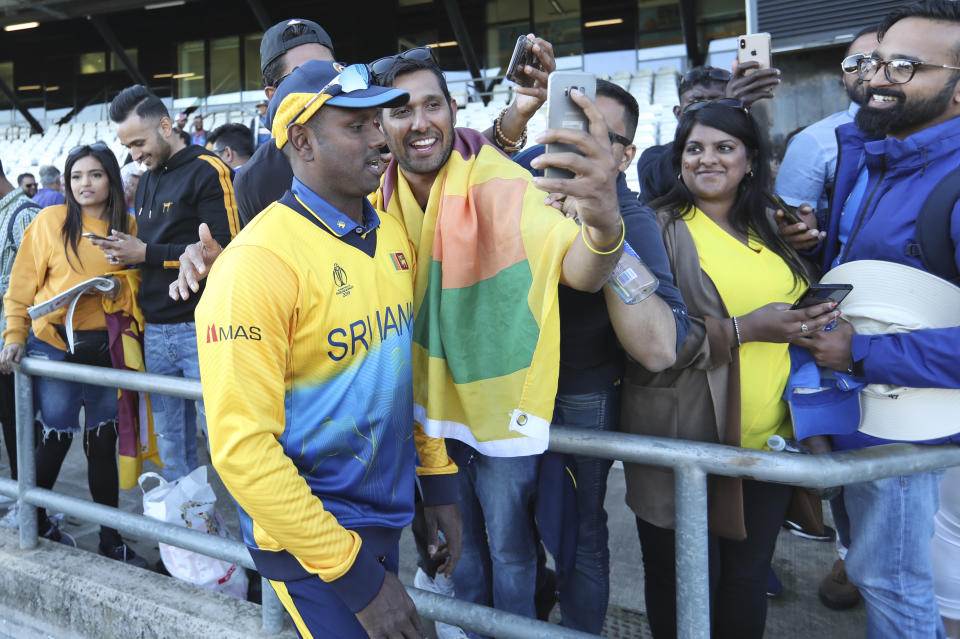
400	262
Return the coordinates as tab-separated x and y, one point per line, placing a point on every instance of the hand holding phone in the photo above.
522	57
789	212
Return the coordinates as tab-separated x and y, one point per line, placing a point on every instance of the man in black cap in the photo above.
285	46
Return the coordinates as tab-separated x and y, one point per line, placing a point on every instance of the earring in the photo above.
679	177
750	172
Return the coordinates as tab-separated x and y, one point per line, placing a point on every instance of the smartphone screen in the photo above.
820	293
97	237
522	56
563	113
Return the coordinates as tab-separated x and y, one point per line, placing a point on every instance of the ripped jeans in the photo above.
58	404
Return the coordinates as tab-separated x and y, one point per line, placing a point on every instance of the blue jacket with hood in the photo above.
901	174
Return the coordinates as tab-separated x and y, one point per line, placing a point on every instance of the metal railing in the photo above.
691	462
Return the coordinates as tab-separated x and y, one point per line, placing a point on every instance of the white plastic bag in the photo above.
190	502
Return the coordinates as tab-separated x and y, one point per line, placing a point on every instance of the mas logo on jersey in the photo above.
400	262
232	332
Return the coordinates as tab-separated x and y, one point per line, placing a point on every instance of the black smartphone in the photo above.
820	293
523	55
789	212
94	236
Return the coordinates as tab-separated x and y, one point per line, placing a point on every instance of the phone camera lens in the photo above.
743	44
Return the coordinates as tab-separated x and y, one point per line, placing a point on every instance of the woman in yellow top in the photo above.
53	258
739	280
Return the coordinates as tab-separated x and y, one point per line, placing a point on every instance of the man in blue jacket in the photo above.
905	139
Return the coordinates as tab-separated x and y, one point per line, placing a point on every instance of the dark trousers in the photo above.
738	569
8	418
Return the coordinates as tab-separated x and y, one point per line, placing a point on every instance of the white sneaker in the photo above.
441	585
12	518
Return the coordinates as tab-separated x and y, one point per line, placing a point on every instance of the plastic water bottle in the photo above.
631	279
778	444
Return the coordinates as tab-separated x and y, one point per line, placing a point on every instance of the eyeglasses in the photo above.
849	63
96	146
381	66
356	77
220	150
897	70
727	102
616	137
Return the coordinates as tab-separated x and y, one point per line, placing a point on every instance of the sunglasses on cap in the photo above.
381	66
727	102
96	146
720	75
356	77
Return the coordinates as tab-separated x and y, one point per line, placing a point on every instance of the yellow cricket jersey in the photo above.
304	335
748	277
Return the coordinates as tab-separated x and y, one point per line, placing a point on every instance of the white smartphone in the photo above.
754	47
563	113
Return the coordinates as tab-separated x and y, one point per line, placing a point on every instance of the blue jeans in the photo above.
499	562
891	526
584	593
171	349
59	401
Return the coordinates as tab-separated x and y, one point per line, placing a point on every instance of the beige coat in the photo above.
697	399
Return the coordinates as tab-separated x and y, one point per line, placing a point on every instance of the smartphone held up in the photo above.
523	56
754	47
563	112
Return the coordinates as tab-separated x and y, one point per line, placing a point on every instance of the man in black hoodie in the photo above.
184	187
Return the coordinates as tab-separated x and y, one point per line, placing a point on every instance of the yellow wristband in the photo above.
623	234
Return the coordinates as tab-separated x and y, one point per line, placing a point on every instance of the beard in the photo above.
905	114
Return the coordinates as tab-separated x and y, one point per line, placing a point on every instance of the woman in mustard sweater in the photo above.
53	258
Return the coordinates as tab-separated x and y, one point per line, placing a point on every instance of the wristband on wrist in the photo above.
623	235
736	331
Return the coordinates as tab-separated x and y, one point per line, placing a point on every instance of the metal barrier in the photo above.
691	462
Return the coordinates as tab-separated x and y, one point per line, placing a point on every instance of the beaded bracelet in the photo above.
623	235
505	143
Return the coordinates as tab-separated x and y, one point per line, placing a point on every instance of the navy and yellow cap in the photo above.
318	82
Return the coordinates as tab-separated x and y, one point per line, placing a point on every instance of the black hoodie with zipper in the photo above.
191	187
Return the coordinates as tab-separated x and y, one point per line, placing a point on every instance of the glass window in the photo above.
558	22
721	19
93	62
6	74
658	23
252	77
224	65
507	20
189	75
116	65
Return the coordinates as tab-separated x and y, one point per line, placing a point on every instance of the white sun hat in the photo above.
894	298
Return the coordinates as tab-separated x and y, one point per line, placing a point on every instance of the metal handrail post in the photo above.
271	610
26	464
692	553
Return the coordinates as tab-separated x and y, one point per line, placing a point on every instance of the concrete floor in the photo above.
795	614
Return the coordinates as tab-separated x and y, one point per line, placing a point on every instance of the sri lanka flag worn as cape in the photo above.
486	342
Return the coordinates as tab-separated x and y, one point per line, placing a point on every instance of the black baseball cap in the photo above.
275	45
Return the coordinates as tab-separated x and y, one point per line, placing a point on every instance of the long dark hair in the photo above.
749	210
116	204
